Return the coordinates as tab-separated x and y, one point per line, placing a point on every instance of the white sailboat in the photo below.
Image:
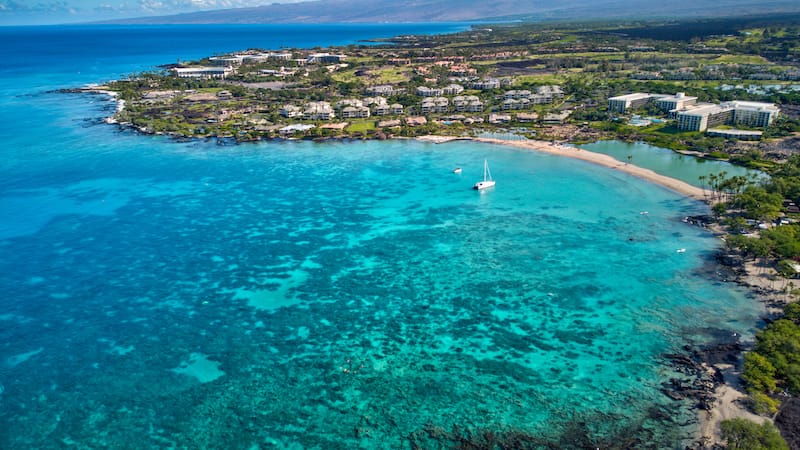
487	178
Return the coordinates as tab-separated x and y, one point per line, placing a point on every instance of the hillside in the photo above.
321	11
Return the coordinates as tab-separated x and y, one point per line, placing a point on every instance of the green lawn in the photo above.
361	126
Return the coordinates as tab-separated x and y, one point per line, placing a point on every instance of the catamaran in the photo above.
487	178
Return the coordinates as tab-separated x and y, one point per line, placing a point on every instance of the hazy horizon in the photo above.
58	12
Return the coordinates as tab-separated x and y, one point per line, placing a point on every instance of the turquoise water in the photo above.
667	162
338	295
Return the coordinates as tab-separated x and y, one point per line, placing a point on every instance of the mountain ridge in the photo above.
370	11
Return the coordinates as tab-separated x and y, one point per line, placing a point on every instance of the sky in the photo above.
42	12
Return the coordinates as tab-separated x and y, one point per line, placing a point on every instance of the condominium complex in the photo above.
629	101
692	116
701	117
678	101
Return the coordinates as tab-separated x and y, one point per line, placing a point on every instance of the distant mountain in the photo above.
376	11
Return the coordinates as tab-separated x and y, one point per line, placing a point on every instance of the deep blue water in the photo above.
340	295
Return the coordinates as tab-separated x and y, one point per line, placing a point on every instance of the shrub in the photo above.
764	405
743	434
759	373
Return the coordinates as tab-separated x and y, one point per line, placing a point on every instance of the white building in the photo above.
384	89
489	83
318	111
754	114
355	112
675	102
453	89
291	111
202	72
435	105
324	58
702	117
425	91
468	103
629	101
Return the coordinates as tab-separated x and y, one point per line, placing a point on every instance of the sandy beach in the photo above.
758	279
607	161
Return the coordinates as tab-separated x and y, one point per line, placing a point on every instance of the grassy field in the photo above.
361	126
383	75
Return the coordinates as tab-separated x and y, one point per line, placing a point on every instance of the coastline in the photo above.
727	394
600	159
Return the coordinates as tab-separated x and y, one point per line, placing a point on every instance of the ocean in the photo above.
338	295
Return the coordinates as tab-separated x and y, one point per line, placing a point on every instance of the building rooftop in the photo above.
703	109
634	96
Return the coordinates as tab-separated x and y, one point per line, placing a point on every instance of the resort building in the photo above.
672	103
742	135
499	118
435	105
384	90
424	91
235	60
469	103
274	56
527	117
702	117
349	102
355	112
291	111
453	89
324	58
202	72
517	94
622	103
510	103
489	83
318	111
375	101
754	114
383	110
396	108
295	128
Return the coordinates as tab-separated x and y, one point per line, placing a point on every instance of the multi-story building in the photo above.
754	114
702	117
522	103
355	112
425	91
468	103
291	111
622	103
324	58
435	105
453	89
489	83
318	111
674	103
202	72
383	89
517	94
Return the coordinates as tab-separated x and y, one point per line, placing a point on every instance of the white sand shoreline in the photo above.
678	186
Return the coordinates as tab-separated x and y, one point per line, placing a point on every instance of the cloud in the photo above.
195	5
43	7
